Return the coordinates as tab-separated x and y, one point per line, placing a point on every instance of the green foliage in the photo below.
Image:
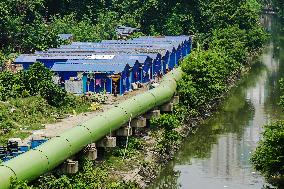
35	81
218	57
22	26
84	30
34	25
208	71
53	94
269	155
133	147
166	121
232	41
31	99
36	77
21	115
88	178
170	136
15	184
281	103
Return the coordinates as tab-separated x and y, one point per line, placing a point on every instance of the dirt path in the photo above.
65	124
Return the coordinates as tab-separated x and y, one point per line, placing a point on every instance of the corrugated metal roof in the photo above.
128	42
25	58
77	67
118	60
123	51
34	58
83	55
118	45
124	46
126	51
123	59
134	49
132	43
131	58
63	57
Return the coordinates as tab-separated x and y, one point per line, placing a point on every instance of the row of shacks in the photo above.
111	65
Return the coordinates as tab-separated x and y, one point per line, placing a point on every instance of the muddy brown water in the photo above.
218	154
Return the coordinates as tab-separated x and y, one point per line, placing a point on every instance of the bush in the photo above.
170	136
133	147
268	157
35	81
218	57
281	103
205	77
53	94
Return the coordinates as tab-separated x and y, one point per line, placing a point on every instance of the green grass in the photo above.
20	116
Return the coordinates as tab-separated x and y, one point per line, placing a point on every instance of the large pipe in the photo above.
54	152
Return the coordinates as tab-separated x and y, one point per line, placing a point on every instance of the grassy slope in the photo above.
18	117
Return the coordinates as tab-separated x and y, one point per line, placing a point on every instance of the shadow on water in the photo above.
217	155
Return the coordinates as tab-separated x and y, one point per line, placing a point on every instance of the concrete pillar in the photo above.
175	100
168	107
124	131
152	113
107	142
91	152
138	122
70	167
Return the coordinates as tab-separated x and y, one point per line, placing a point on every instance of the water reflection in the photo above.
217	156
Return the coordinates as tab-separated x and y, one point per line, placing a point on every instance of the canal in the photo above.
218	154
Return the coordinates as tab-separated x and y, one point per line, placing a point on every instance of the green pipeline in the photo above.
55	151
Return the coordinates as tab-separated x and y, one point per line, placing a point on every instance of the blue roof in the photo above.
77	67
116	50
25	58
114	61
82	55
126	51
139	57
140	40
73	55
121	46
128	42
35	57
